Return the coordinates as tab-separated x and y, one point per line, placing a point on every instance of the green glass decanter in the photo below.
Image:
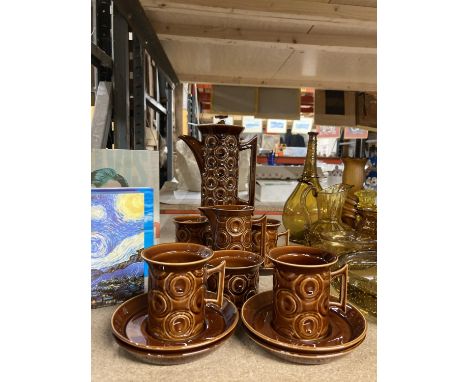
294	214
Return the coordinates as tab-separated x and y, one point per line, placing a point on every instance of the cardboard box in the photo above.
274	190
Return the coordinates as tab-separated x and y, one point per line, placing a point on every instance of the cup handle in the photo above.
343	273
220	270
286	234
263	222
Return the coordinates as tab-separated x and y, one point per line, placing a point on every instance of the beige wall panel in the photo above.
220	60
318	65
278	103
233	99
257	66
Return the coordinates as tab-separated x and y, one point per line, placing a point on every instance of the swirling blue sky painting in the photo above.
121	225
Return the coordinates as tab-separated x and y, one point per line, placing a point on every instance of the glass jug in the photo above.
330	203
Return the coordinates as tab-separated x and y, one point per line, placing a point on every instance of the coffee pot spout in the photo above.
196	148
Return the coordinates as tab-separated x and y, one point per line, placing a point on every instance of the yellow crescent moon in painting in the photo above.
131	206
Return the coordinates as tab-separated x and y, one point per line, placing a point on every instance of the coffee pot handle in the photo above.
262	220
343	273
252	145
219	269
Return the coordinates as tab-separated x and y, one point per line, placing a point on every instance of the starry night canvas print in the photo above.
121	225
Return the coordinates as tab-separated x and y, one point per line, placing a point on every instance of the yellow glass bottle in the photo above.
294	215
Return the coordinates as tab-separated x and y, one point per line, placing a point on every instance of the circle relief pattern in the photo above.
198	300
211	183
235	226
180	285
286	303
179	324
211	141
309	325
221	153
231	142
183	235
223	239
301	303
309	287
237	284
159	303
231	163
221	156
221	172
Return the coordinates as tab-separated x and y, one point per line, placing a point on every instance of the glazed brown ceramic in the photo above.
129	325
176	289
301	289
193	229
176	358
271	238
231	227
301	357
241	274
217	156
347	327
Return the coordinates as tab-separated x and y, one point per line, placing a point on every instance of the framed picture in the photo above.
302	126
121	226
127	168
276	126
355	133
252	124
328	131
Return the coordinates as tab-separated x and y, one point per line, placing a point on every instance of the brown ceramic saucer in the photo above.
173	358
302	357
266	271
346	329
129	326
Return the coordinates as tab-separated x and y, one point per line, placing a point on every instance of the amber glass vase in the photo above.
354	175
330	203
294	214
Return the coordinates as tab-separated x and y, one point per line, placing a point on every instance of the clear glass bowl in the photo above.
362	279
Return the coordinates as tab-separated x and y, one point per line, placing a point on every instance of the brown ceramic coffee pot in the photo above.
217	156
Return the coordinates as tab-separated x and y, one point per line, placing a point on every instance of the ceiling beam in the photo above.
361	3
268	39
281	83
282	10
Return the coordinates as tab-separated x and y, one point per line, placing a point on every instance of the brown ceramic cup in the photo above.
271	238
177	290
241	275
193	229
301	291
